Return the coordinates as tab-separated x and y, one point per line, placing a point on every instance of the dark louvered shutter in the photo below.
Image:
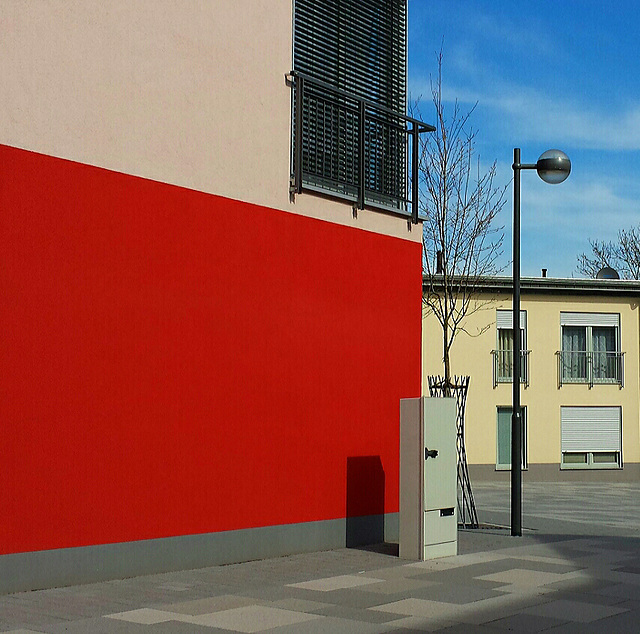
357	47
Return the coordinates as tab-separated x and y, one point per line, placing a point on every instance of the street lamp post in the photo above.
553	167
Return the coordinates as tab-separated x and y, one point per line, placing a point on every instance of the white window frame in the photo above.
589	321
592	433
504	321
525	443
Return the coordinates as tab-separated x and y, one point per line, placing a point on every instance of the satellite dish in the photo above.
607	273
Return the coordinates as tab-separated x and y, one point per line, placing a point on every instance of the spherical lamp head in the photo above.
553	166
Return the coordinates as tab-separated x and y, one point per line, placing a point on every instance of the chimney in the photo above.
439	263
544	272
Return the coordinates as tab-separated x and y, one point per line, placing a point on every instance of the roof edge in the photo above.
548	285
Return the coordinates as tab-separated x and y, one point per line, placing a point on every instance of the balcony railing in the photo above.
350	148
590	367
503	366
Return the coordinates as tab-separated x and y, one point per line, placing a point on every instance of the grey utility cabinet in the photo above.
428	478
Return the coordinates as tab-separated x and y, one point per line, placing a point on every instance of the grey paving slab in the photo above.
339	582
576	611
619	590
99	626
465	628
333	625
458	595
424	624
300	605
402	586
526	623
353	598
60	605
23	617
588	597
274	593
251	619
175	627
211	604
356	614
620	624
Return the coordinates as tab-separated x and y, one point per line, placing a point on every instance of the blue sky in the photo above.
544	75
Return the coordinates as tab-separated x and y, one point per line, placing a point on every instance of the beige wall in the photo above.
472	355
186	92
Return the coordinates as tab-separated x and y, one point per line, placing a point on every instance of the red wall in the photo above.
174	362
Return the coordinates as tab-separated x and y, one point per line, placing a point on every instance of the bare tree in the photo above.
461	242
602	254
623	255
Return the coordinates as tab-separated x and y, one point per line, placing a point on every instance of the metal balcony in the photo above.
590	367
503	367
355	150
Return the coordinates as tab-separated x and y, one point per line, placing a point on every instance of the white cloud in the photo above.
558	221
515	110
591	209
541	117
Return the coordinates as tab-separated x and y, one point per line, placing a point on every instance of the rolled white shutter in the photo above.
591	428
504	319
589	319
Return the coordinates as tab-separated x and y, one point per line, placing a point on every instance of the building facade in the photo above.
580	378
195	369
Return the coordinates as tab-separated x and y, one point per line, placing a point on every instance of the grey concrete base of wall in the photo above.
70	566
553	473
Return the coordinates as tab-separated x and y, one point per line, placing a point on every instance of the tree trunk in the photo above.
445	359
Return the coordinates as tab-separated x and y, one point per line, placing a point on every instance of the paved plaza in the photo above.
575	569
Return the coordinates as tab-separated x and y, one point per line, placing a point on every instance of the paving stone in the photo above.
401	586
526	623
528	578
635	570
422	624
176	627
144	616
466	628
301	605
255	618
458	594
334	625
336	583
100	625
358	614
579	612
211	604
589	597
272	593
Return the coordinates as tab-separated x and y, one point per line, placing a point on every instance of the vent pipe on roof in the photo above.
544	272
439	263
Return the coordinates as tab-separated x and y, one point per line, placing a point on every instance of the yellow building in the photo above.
580	377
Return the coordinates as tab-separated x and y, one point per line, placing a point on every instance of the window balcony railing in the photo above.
503	367
350	148
590	367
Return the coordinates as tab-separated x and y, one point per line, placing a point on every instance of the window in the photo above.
591	437
503	354
590	349
350	135
503	438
